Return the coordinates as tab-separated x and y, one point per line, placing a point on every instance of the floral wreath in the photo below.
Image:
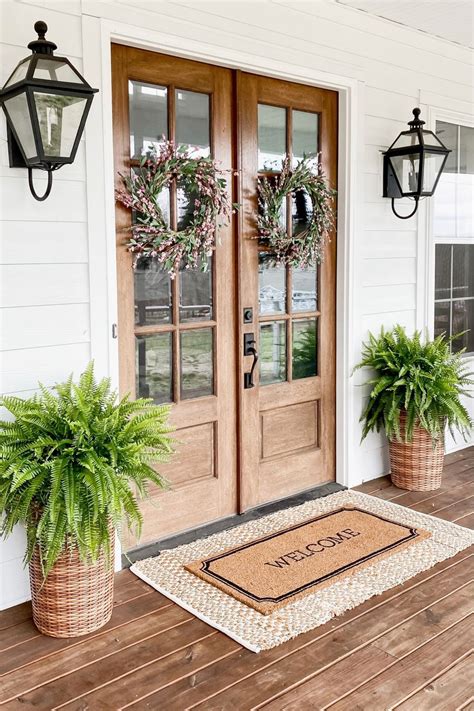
305	248
151	236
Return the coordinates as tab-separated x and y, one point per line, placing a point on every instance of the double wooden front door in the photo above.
183	341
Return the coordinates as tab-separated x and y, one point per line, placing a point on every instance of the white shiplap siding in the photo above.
50	311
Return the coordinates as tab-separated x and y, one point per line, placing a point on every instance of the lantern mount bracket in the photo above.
405	217
40	198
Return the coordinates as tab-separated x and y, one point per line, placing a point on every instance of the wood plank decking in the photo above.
410	648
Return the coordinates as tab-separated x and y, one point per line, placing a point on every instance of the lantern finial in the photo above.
42	45
416	122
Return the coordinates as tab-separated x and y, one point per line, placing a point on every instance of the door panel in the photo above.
177	337
287	438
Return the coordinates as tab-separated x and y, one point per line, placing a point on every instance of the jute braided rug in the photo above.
269	580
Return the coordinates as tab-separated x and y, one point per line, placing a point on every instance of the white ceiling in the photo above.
450	19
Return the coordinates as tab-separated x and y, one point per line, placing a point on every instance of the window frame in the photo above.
460	119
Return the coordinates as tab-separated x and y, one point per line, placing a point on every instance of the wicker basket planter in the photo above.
416	465
76	598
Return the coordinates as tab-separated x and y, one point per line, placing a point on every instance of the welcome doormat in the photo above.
274	570
435	541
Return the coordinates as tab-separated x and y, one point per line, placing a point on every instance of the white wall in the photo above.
55	312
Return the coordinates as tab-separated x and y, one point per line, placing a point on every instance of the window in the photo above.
453	229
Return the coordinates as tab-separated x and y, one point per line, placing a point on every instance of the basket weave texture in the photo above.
416	465
76	598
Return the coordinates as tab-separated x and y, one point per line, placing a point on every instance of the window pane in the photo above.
153	366
304	348
196	363
301	211
443	271
304	297
271	137
271	285
152	293
148	116
463	320
192	121
195	294
305	135
466	150
463	270
442	318
272	352
448	134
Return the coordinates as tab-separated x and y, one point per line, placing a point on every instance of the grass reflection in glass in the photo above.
272	352
304	348
196	363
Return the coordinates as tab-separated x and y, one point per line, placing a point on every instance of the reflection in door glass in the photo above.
271	137
152	293
272	347
301	212
186	205
196	363
271	285
192	121
148	116
305	136
304	348
153	366
195	294
303	297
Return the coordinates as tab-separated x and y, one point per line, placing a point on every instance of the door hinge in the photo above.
114	330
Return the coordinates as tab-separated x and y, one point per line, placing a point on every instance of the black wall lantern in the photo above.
46	102
413	164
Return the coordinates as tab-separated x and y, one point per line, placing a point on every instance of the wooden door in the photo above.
177	337
287	437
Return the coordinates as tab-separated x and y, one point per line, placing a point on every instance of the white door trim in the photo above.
98	34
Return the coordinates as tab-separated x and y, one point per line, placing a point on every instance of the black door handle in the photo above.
249	349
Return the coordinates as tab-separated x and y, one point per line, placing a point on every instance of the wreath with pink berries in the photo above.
206	188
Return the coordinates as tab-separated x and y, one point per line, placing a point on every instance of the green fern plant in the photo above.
420	378
73	462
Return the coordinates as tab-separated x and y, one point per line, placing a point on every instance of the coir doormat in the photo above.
271	571
324	557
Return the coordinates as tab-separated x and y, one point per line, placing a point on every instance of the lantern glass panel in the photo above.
54	70
406	140
20	72
429	139
407	169
432	166
59	118
19	115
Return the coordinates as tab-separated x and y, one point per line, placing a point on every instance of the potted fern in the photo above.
71	465
415	393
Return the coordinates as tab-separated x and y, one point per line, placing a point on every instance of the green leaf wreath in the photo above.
306	247
72	463
209	205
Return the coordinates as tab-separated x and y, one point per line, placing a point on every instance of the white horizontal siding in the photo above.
44	243
34	326
23	369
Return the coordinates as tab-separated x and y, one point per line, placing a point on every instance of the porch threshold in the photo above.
179	539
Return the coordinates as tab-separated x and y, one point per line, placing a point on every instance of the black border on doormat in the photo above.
150	550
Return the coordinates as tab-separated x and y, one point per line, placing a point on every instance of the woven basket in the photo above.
416	465
76	598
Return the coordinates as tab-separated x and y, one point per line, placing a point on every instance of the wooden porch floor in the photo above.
410	648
